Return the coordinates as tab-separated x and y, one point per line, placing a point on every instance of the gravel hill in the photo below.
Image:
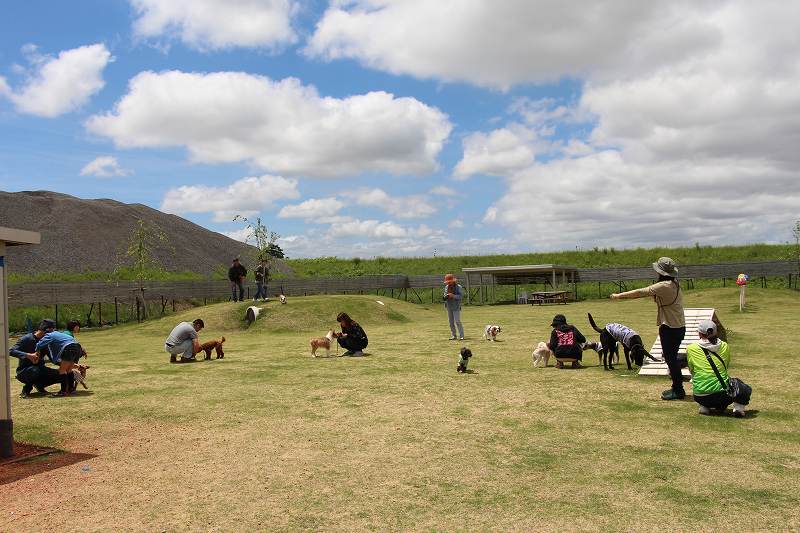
89	235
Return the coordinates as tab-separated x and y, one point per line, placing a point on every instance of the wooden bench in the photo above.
693	317
546	297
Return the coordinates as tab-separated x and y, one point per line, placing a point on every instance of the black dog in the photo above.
631	342
463	361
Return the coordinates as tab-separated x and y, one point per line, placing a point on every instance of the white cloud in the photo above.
414	206
456	223
497	153
240	235
313	208
443	190
217	24
103	167
58	85
245	196
500	44
283	127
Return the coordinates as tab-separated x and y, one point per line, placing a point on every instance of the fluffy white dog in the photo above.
541	352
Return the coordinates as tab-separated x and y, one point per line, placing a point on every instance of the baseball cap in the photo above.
558	320
707	327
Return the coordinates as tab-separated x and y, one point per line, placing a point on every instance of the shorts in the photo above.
71	353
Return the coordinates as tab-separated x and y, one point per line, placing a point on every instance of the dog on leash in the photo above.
490	332
214	344
322	342
541	353
632	345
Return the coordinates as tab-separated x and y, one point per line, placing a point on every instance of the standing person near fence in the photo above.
262	278
666	292
237	274
452	296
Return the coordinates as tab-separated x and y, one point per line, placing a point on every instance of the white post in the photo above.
8	237
6	425
741	297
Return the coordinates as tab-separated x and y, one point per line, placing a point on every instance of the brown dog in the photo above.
215	345
322	342
79	371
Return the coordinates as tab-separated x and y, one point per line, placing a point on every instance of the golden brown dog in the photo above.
322	342
215	345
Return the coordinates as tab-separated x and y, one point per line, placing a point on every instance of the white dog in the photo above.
541	352
282	298
490	332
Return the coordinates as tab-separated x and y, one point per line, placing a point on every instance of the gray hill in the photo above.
88	235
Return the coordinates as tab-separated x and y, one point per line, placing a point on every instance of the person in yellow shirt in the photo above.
707	389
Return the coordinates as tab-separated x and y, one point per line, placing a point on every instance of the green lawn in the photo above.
271	439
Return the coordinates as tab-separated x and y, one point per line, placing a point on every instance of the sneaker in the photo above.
670	394
452	338
347	353
738	410
26	391
40	389
577	364
358	353
461	338
559	364
704	410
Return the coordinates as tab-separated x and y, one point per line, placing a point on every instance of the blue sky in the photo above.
383	127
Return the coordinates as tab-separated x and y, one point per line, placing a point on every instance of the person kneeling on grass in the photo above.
32	370
707	389
352	338
183	340
567	342
65	351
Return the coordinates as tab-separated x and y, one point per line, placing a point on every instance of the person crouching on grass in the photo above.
567	343
352	338
707	390
65	351
183	340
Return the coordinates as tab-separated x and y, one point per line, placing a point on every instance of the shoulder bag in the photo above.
738	390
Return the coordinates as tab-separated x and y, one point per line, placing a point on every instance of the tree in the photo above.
275	251
138	255
263	239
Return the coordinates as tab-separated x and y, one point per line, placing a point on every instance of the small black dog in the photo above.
463	361
631	342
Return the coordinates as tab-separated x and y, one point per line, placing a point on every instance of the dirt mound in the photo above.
87	235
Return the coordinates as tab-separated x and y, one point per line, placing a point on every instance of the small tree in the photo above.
138	255
263	239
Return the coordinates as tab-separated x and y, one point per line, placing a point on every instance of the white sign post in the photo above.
8	237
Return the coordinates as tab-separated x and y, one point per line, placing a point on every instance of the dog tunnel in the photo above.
251	314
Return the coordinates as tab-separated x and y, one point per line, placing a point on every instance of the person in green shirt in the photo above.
706	387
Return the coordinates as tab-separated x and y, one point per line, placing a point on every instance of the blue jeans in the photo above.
261	291
234	285
454	315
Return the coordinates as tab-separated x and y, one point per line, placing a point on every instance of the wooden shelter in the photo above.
553	275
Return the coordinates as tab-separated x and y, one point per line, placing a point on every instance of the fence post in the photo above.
56	316
100	314
116	311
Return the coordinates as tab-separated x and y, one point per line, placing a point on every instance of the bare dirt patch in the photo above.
29	460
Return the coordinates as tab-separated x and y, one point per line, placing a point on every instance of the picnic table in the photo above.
548	297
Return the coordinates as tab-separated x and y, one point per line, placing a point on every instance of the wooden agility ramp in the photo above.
693	317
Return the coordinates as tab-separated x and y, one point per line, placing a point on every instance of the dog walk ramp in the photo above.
693	317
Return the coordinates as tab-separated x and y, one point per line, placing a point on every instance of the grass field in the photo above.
270	439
